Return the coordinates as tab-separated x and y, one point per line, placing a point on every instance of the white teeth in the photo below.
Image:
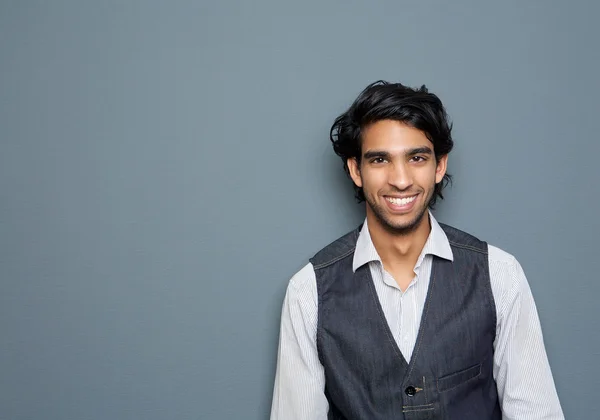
401	201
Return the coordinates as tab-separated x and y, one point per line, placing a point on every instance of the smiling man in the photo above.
404	317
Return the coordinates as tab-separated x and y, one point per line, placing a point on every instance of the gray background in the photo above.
165	169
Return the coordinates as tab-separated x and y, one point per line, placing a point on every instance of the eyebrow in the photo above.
424	150
376	154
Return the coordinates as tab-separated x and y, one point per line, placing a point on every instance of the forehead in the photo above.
392	136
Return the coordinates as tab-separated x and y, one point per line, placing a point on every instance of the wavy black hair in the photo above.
382	100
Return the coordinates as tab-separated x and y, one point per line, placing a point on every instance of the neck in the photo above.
395	248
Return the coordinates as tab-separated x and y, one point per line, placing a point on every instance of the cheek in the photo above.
428	177
373	179
432	173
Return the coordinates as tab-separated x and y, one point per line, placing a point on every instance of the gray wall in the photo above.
165	169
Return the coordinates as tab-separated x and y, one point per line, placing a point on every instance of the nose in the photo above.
400	176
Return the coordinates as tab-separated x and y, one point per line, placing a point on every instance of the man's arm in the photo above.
521	369
300	379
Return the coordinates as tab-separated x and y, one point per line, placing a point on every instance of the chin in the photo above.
404	224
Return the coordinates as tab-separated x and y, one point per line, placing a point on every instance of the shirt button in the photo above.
410	391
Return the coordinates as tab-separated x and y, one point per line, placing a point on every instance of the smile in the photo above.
401	201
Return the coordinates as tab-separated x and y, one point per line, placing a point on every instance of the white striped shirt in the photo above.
525	385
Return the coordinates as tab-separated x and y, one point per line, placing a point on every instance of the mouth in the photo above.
400	204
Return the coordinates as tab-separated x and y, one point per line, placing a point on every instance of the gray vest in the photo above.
450	373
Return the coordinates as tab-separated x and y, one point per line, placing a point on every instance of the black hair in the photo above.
382	100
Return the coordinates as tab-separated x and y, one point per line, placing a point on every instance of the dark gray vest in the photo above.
450	373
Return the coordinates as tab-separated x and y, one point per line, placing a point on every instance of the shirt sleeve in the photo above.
523	377
300	379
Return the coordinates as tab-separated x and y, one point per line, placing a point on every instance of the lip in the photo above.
397	208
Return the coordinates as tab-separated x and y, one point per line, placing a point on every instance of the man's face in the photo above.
398	172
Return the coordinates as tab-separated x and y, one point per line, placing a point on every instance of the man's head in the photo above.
394	142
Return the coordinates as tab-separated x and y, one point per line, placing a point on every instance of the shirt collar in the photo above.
436	244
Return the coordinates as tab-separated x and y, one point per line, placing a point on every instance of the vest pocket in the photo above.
447	382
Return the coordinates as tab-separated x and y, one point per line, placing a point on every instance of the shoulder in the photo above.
461	239
504	265
499	256
336	250
303	278
303	284
506	274
505	270
507	277
301	291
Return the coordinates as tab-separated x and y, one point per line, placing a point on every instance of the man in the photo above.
406	318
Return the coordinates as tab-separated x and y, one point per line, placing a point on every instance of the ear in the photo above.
353	168
440	170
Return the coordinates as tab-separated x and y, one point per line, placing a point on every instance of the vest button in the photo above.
410	391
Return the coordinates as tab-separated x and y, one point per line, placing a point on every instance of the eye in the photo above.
418	159
378	160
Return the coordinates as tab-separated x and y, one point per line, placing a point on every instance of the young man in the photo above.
406	318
